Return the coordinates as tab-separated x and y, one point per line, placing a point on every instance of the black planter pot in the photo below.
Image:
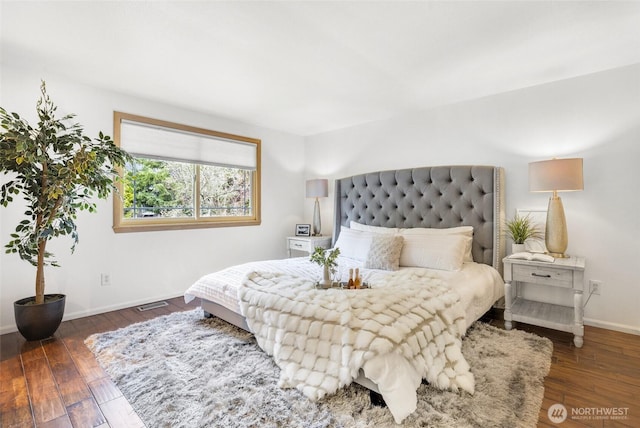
37	322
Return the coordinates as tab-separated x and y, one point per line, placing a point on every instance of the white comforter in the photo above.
398	335
478	285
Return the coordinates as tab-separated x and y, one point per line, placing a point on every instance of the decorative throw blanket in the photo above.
408	330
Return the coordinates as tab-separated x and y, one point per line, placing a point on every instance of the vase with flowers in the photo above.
328	260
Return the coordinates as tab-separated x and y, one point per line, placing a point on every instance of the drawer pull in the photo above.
540	276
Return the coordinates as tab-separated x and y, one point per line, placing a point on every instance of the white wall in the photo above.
596	117
144	266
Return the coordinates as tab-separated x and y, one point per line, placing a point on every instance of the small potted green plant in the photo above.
328	261
58	171
519	229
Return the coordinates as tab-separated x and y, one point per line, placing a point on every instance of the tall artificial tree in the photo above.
58	171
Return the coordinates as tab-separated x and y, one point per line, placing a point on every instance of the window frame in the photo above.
122	224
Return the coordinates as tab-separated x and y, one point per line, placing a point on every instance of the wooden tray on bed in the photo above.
341	286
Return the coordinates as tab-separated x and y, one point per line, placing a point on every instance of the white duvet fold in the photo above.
320	339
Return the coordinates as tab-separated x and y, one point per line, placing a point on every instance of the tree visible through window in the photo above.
156	188
183	178
225	191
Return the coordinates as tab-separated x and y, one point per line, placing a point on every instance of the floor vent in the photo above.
154	305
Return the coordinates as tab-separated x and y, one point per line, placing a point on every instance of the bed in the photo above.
438	201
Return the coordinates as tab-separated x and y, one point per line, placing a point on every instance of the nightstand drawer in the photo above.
307	244
299	244
541	275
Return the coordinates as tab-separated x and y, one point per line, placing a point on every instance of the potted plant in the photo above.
519	229
58	171
328	261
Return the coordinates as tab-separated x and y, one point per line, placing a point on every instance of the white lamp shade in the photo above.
560	175
318	188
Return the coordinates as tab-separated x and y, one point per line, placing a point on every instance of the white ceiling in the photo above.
312	67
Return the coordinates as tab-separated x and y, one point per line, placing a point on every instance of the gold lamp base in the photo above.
317	225
556	237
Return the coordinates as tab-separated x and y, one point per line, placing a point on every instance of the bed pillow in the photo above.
460	230
354	244
436	251
373	229
384	252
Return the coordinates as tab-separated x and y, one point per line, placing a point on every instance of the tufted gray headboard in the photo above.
437	197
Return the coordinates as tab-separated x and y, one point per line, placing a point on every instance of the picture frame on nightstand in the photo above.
303	230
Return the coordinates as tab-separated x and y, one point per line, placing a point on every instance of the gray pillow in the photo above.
384	252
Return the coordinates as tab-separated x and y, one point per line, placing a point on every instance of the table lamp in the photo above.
317	188
556	175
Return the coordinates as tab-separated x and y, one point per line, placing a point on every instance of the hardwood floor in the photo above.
58	383
601	376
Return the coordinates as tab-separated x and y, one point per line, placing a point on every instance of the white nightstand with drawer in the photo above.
307	244
562	273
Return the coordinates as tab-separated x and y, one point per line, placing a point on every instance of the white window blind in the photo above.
159	142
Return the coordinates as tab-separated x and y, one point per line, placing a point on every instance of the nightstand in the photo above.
307	243
562	273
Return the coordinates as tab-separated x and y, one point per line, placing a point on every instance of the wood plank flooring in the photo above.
601	376
58	383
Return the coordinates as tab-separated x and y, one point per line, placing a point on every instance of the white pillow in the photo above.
434	251
374	229
384	252
460	230
354	244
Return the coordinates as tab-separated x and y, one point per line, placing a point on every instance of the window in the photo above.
184	177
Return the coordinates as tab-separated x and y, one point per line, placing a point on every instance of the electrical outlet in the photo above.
595	286
105	279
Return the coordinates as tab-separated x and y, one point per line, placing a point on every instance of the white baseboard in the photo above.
612	326
100	310
95	311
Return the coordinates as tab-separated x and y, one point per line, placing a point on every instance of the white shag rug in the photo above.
182	370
